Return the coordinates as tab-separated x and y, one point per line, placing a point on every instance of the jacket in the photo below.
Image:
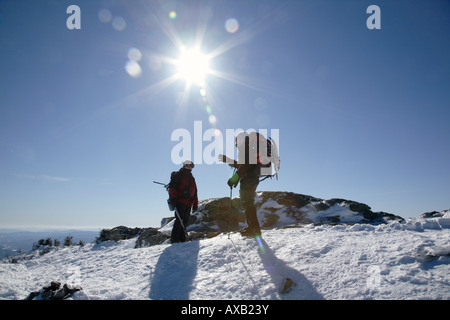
183	188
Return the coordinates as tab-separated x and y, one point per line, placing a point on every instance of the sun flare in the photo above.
193	66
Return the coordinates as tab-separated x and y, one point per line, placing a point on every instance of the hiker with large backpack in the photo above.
255	156
183	198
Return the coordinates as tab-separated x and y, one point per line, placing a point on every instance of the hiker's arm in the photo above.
231	162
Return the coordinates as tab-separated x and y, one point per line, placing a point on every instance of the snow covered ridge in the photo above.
407	260
331	249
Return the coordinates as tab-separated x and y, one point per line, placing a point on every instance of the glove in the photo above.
173	201
231	184
233	181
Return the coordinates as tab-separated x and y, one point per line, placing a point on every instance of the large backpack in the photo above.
266	153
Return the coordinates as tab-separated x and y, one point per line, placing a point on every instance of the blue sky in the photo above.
362	114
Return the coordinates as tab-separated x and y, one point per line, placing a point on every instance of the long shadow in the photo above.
278	271
175	272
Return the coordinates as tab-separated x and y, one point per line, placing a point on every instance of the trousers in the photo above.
178	234
247	193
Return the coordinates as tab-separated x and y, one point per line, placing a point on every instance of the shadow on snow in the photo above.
175	272
279	270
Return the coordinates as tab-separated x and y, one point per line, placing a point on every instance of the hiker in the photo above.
183	197
247	174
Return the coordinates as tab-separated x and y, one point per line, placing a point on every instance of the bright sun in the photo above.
193	66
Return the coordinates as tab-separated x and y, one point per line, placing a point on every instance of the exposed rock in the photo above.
53	292
434	214
274	210
118	233
150	237
165	221
278	209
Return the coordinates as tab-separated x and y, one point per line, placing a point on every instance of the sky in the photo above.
90	101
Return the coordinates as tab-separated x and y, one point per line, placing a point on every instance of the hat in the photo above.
188	163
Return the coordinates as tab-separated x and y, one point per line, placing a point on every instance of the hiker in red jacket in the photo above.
183	196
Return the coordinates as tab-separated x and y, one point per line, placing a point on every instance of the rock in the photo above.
150	237
47	294
165	221
60	294
55	285
52	292
32	295
271	220
274	209
72	288
432	214
278	209
118	233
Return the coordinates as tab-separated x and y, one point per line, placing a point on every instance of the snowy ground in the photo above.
326	262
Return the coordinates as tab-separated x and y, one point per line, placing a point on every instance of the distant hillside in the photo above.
14	240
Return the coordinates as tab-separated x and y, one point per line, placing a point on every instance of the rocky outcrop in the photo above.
145	236
274	209
150	237
118	233
280	209
435	214
53	291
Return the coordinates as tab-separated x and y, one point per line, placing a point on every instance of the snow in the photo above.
344	261
343	211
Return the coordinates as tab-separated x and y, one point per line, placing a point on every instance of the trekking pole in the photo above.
231	192
166	185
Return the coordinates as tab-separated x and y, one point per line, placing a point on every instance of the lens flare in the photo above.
261	247
134	54
105	16
133	69
212	119
119	23
232	25
172	15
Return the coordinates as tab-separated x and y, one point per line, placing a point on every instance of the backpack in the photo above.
266	154
175	180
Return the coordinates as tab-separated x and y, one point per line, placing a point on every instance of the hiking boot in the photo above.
250	232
